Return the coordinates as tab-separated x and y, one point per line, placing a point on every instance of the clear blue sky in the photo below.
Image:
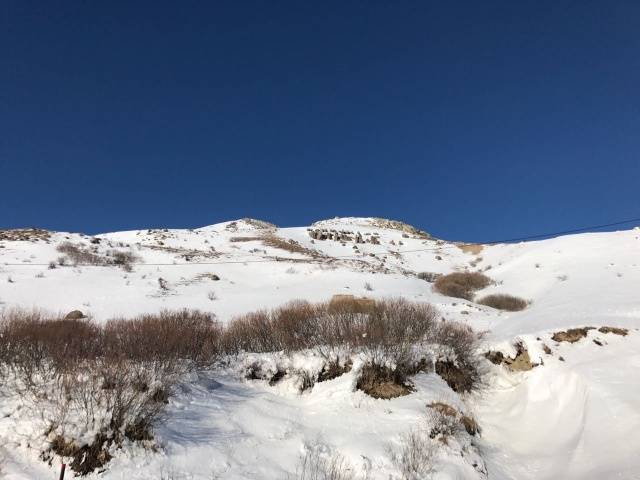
473	120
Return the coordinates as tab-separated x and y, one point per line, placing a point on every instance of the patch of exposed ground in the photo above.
521	362
273	241
382	382
333	370
187	254
571	335
25	235
472	248
615	330
401	226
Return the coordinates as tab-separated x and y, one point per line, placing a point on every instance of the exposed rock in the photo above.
520	363
572	335
494	357
74	315
24	235
615	330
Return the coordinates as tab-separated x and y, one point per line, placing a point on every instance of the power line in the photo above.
356	257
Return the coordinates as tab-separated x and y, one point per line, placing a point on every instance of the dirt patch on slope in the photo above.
572	335
382	382
615	330
472	248
24	235
521	362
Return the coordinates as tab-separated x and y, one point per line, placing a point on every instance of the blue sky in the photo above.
473	120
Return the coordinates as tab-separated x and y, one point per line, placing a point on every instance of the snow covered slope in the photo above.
571	418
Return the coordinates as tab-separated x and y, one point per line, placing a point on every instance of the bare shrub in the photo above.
385	331
118	378
428	276
184	339
382	328
291	246
122	258
461	373
273	241
334	369
504	302
380	381
461	284
443	423
289	328
315	466
244	239
35	346
79	254
414	457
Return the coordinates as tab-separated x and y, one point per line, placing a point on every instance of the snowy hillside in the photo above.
569	409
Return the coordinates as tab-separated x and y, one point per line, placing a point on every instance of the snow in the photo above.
571	419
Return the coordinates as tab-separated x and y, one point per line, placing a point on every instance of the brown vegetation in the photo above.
122	374
504	302
79	254
386	331
117	377
461	284
379	381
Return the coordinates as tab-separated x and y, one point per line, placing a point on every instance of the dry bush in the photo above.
385	331
123	259
35	346
380	381
414	457
245	239
504	302
314	466
184	339
443	423
79	254
273	241
382	328
287	245
117	378
428	276
461	284
460	372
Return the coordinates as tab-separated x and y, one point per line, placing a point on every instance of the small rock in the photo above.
74	315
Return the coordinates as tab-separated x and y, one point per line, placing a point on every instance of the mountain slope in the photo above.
573	416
